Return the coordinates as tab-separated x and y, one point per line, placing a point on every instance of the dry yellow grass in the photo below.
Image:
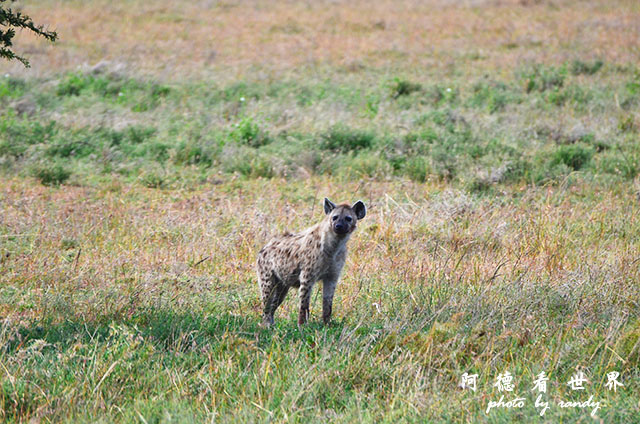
233	38
412	235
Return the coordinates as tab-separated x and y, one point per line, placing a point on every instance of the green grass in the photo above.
140	96
456	130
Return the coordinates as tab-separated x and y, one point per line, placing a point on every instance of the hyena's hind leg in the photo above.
273	293
279	294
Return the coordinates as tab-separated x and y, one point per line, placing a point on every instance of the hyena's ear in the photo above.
360	209
328	206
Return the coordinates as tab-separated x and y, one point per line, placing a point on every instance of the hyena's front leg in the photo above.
328	289
305	298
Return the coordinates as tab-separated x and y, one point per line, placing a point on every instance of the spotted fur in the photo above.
300	260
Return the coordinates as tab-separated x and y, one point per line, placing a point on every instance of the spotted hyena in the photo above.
299	260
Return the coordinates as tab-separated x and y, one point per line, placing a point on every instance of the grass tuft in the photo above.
51	174
400	87
341	138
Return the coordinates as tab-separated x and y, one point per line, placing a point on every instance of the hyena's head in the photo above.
343	218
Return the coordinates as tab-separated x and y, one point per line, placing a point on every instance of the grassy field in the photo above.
148	155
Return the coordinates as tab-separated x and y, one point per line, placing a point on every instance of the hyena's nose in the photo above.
341	227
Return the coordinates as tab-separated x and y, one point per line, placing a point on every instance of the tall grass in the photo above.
149	307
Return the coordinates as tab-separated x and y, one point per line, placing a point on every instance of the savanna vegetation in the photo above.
148	155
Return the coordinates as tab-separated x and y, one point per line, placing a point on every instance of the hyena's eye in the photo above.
335	217
347	218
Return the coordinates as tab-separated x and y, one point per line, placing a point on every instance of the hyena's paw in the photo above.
267	322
